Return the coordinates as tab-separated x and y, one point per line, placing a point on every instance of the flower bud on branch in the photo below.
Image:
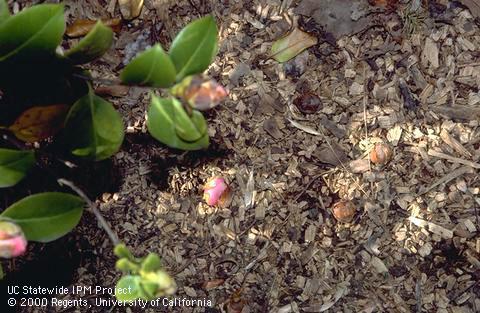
12	240
199	93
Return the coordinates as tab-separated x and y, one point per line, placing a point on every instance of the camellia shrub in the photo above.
46	94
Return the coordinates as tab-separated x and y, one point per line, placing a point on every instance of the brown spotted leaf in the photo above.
39	123
81	27
292	44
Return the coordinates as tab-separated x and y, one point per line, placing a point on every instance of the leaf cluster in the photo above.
144	278
45	93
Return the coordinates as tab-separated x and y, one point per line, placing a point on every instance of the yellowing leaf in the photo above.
292	44
130	9
82	27
38	123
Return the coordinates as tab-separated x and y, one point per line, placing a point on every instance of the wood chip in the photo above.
130	9
430	53
333	128
434	228
449	177
449	158
378	265
460	112
271	127
306	129
454	144
331	154
473	6
359	166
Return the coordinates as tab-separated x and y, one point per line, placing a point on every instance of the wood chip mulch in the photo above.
413	245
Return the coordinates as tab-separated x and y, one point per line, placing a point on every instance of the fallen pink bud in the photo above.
215	191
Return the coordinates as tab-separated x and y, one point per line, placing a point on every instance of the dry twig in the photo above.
94	209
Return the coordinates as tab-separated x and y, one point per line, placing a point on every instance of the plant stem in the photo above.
94	208
100	80
111	82
6	135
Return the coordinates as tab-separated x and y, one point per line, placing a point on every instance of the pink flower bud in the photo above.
216	191
12	240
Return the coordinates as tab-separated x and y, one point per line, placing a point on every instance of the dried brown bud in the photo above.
344	211
381	153
308	103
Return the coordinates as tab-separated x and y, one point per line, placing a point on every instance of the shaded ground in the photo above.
414	243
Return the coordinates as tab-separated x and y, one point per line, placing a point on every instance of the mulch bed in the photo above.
413	244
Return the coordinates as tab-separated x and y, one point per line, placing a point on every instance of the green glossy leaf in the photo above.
199	121
92	46
32	32
167	120
194	48
186	126
93	128
4	12
46	216
128	283
153	67
14	165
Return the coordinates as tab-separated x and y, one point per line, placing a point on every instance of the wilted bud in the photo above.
166	284
163	283
122	251
216	191
151	263
125	265
149	288
12	240
199	93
